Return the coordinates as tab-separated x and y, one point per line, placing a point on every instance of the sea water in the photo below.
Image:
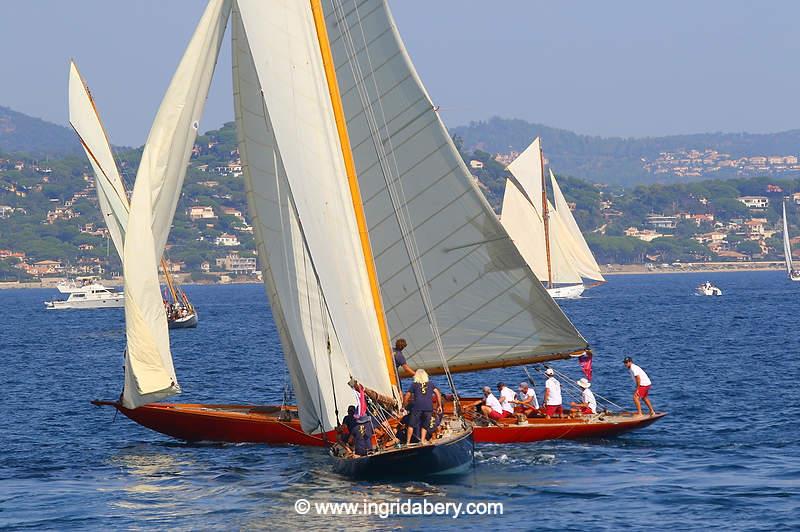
728	455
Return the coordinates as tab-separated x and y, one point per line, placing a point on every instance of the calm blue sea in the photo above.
727	456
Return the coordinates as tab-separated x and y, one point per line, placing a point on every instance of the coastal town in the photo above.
212	240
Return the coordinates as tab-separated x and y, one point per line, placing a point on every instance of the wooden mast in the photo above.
355	192
545	217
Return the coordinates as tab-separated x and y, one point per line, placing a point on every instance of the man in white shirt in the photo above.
642	386
552	395
588	404
491	407
507	398
528	403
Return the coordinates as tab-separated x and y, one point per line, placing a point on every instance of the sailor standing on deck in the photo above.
419	400
361	436
642	385
552	395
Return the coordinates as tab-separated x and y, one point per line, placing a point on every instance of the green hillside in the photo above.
33	136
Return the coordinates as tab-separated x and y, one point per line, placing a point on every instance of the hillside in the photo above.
632	161
34	136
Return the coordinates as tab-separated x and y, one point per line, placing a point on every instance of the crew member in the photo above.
552	395
507	398
491	407
588	404
419	401
361	436
527	403
400	359
642	386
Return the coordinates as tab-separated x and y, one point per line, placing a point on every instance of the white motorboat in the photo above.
708	289
76	284
90	296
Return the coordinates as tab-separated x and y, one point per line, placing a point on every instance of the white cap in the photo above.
583	383
549	372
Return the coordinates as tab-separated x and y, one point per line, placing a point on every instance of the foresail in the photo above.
149	371
319	379
85	120
787	246
298	127
169	144
491	309
581	257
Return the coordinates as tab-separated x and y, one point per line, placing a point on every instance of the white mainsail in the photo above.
527	170
526	228
85	120
491	309
149	371
313	264
582	258
787	246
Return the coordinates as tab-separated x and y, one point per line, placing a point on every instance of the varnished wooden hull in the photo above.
223	423
262	424
445	458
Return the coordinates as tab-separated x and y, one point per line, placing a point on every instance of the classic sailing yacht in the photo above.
111	193
793	274
450	279
546	235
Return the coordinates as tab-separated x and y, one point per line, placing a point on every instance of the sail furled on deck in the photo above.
149	371
302	211
491	309
85	120
582	258
787	246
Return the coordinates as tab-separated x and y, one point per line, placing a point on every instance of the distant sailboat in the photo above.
793	274
546	235
111	193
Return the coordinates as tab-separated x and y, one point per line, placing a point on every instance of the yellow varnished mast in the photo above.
352	180
545	216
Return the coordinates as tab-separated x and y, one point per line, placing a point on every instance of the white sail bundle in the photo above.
149	371
312	261
491	309
85	120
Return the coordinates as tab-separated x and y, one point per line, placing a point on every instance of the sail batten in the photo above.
459	241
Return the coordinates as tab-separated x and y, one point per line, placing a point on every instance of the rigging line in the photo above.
400	207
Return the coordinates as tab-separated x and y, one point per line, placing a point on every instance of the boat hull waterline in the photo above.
262	424
572	291
184	322
446	457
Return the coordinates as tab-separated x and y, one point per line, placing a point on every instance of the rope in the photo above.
569	380
391	176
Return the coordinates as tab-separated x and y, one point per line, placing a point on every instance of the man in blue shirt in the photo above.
361	436
400	359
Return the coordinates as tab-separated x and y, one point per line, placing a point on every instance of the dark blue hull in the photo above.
452	457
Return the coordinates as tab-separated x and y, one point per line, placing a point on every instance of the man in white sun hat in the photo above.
552	395
588	404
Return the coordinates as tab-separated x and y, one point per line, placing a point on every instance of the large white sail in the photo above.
149	371
313	263
491	309
581	256
787	246
84	118
169	144
527	170
526	228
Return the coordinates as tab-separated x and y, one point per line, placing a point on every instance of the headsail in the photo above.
491	309
306	230
149	372
787	246
582	258
85	120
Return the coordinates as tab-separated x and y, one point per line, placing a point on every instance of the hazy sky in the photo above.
627	68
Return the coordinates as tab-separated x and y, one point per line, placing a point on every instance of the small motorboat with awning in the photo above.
708	289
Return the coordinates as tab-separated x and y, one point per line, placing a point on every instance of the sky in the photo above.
614	68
